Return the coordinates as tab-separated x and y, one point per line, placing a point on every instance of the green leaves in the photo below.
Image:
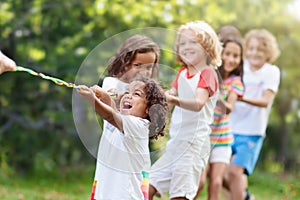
54	37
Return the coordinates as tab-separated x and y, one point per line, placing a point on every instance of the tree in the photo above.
54	37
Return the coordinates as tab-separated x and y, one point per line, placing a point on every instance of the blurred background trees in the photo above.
37	131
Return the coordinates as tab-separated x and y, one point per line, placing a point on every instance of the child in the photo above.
6	64
229	31
221	137
137	56
123	156
198	49
250	117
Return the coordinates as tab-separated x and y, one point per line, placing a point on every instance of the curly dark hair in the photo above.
157	105
126	53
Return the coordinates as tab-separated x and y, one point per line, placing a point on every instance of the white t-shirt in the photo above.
114	83
187	125
122	157
246	119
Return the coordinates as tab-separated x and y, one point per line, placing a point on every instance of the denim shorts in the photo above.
246	150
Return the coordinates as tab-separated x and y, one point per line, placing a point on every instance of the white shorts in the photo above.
220	154
178	172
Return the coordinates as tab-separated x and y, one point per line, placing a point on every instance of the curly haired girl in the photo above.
123	159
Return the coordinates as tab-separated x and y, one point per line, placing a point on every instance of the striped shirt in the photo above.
221	133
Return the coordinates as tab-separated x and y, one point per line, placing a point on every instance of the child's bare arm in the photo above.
102	95
264	101
103	109
228	105
169	95
193	104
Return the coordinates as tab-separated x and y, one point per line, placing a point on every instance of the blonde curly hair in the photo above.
267	40
207	38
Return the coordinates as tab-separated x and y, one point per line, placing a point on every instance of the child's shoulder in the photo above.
270	68
181	70
135	120
208	71
110	78
234	78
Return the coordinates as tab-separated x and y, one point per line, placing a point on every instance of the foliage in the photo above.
36	126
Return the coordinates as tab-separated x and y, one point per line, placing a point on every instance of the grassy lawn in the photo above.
38	190
264	186
68	187
275	186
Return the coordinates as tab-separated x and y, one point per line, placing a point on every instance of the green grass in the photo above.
275	186
267	186
77	186
19	189
70	186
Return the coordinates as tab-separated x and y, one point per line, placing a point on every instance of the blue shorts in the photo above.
245	151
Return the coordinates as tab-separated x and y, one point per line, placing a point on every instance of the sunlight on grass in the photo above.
265	185
52	191
77	186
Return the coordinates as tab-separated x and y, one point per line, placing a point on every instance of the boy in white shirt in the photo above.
250	117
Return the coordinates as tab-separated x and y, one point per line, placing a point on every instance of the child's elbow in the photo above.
199	106
264	105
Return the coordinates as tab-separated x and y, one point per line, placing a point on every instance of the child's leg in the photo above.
217	172
219	160
247	152
202	182
159	177
186	176
152	191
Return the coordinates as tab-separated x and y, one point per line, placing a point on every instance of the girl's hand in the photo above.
171	92
87	93
102	95
99	92
170	96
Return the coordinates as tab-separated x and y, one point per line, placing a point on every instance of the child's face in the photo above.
255	53
231	56
189	49
142	65
134	100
